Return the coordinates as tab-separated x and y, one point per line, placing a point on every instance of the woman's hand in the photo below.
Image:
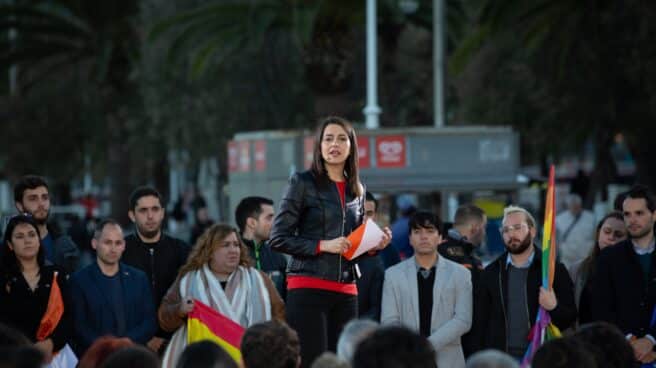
387	238
45	347
336	246
185	307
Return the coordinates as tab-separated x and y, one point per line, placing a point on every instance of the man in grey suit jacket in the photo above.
430	294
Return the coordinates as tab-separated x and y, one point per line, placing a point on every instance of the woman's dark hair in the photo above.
351	170
7	256
588	264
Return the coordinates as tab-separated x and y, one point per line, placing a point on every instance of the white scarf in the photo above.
245	300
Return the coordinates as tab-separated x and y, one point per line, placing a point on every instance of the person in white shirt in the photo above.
575	229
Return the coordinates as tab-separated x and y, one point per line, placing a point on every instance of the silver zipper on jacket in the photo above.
339	271
503	307
152	266
528	315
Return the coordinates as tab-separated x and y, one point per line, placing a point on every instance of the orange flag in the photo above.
364	238
53	313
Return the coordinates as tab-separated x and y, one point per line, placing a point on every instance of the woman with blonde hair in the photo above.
219	274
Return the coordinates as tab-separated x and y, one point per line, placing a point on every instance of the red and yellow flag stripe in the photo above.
205	323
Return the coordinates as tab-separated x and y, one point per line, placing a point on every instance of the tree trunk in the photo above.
640	144
605	170
118	167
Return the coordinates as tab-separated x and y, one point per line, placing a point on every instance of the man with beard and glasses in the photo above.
150	250
31	196
624	283
510	290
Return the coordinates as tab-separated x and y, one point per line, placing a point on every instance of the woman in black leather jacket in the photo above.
320	208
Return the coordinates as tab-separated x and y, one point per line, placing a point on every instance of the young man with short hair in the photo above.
624	283
430	294
32	196
152	251
254	217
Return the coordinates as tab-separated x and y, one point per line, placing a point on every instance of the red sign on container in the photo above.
364	157
244	156
233	157
308	151
260	155
390	151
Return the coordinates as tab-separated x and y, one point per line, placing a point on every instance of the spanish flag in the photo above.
205	323
54	311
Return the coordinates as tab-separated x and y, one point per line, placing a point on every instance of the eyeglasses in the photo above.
512	228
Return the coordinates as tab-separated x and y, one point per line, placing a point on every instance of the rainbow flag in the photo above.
543	330
205	323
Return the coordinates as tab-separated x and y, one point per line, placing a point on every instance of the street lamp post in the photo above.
372	110
438	62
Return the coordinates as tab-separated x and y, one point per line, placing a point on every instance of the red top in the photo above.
341	188
308	282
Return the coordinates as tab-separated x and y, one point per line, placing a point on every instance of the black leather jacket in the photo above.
311	211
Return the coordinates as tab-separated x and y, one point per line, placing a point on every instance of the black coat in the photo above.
272	263
310	211
22	308
490	319
619	293
370	286
159	261
461	251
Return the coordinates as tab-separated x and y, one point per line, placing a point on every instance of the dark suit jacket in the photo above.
370	286
490	315
619	292
92	310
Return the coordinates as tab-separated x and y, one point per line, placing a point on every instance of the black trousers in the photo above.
318	317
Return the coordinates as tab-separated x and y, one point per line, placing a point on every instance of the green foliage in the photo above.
209	34
563	73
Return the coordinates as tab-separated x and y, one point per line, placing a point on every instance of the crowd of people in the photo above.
282	276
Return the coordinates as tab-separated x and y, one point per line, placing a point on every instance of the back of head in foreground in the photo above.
206	354
607	343
353	333
566	352
491	359
270	344
132	357
394	347
329	360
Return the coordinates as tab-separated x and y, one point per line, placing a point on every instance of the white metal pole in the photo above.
372	110
13	69
438	62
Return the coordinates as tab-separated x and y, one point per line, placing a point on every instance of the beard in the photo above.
41	220
640	233
521	247
148	234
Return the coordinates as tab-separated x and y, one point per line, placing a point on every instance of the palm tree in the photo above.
587	54
323	33
91	42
